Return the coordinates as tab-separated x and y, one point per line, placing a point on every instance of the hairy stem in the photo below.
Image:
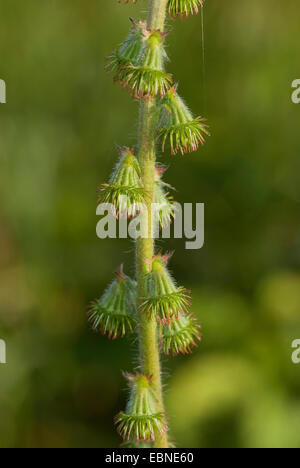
148	332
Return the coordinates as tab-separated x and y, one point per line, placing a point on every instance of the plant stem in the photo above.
148	330
157	14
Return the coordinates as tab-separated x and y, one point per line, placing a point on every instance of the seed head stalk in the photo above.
148	329
154	306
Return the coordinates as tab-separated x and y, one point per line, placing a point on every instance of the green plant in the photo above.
154	306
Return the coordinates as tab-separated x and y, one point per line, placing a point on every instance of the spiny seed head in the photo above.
180	336
114	313
165	204
125	191
183	8
129	51
146	78
127	168
178	126
141	420
164	300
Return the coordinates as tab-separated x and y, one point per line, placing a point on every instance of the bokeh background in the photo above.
62	384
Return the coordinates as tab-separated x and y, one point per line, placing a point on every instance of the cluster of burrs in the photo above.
138	64
115	315
169	305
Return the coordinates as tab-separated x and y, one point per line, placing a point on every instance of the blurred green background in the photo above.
62	384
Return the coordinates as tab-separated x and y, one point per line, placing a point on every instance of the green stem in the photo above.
148	332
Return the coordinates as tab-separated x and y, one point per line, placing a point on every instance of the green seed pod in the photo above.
178	126
165	209
125	191
114	313
141	420
184	7
129	51
147	77
165	301
181	335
